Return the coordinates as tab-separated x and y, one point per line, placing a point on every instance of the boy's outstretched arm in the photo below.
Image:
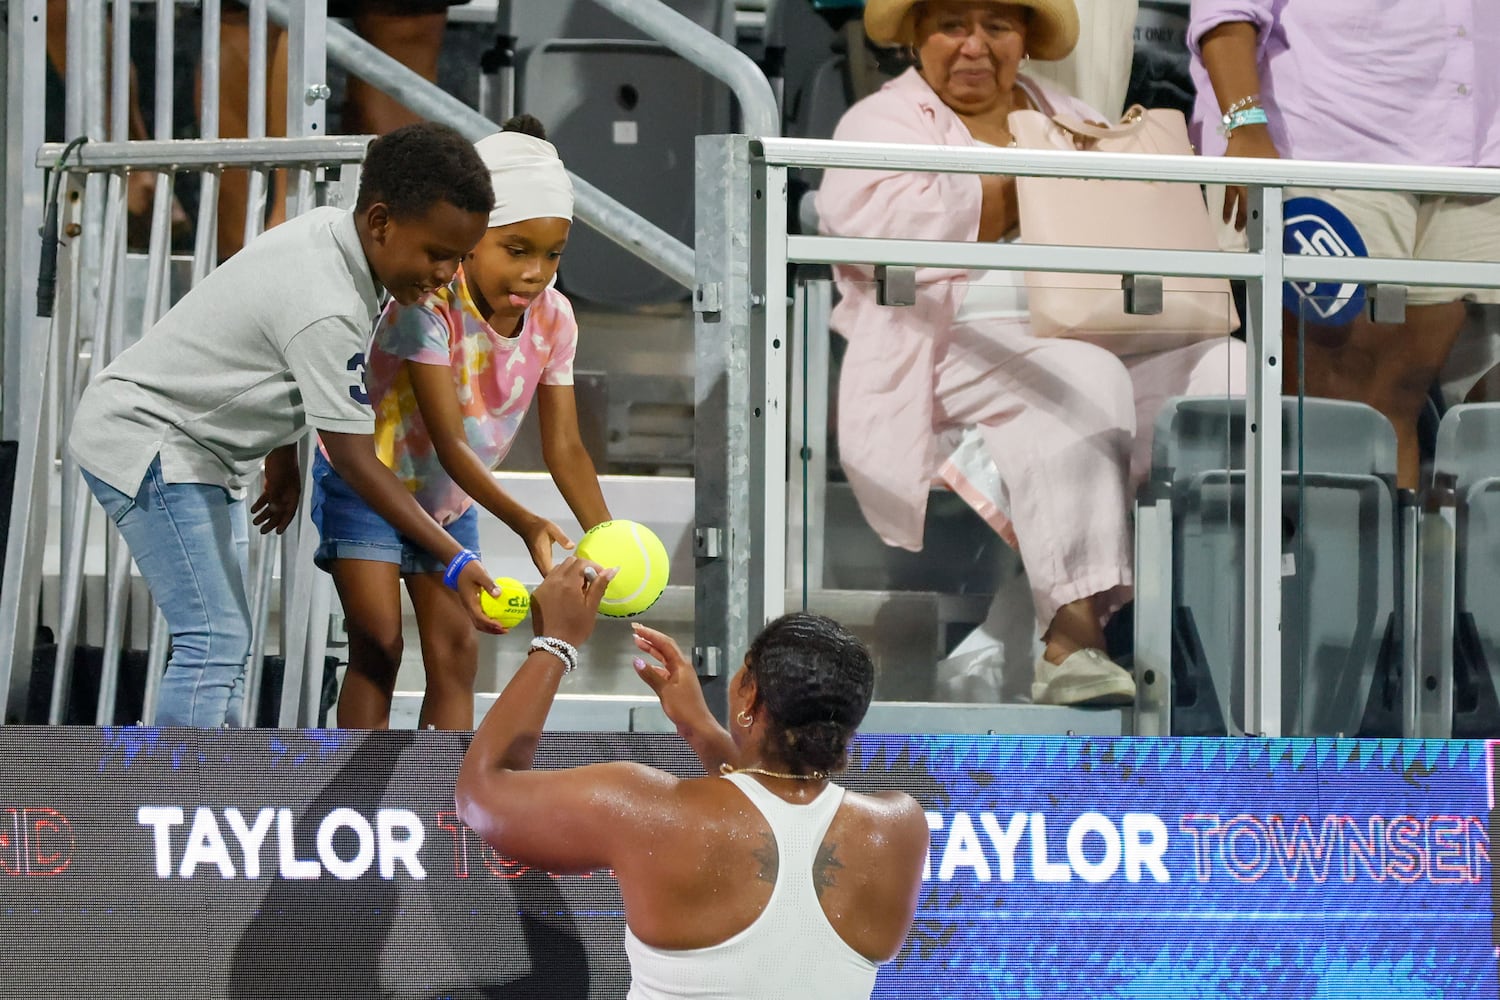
353	457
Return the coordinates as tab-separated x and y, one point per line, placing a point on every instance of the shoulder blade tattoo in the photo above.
826	867
769	857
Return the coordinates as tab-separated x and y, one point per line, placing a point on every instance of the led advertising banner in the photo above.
150	863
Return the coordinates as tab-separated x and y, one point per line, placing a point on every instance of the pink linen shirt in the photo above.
1413	82
495	377
887	442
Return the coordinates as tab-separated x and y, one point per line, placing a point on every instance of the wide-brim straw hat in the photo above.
1052	33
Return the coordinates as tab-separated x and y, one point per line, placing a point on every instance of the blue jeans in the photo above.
349	529
191	542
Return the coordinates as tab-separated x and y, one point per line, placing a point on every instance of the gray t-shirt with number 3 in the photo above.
271	342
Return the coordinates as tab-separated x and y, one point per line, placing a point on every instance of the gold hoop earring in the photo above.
745	719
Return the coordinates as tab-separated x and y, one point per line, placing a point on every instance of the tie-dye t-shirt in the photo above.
495	376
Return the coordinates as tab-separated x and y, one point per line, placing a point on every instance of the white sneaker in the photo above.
1086	677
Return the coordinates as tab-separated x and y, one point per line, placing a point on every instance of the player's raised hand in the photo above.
672	678
675	683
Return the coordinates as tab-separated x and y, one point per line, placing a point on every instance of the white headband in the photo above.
529	178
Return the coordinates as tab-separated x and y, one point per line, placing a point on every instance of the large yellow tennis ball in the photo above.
511	607
641	559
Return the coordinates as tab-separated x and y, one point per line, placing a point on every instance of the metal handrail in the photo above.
178	154
1127	260
1254	173
593	207
826	153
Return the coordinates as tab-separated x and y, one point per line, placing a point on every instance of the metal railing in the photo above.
737	274
41	359
744	249
90	325
592	206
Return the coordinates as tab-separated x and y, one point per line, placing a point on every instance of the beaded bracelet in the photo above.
456	566
1242	103
559	648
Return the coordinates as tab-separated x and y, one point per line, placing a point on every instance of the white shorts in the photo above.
1399	225
1421	227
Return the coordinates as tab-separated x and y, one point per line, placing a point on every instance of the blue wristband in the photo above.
1236	119
456	566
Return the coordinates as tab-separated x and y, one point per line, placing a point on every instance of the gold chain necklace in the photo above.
815	776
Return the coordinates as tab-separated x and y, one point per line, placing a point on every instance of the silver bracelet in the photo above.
564	651
1242	104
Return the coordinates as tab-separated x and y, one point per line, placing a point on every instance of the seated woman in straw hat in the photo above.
1067	424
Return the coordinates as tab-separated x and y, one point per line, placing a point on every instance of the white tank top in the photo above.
790	951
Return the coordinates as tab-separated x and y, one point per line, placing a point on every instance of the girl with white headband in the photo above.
450	379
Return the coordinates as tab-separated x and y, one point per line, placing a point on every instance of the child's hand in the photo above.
471	580
277	504
540	535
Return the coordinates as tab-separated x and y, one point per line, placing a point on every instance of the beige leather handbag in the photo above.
1062	211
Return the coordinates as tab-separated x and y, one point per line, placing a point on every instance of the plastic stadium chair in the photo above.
1466	501
624	113
1341	568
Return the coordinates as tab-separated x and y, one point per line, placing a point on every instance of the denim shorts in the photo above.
349	529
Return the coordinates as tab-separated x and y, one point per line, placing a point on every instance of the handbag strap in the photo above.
1132	122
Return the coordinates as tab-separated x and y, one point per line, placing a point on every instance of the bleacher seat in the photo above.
624	112
531	22
1341	568
1466	473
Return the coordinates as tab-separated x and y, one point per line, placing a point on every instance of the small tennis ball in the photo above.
511	607
640	558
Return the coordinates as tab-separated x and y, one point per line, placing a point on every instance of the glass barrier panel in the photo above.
946	544
1458	656
1377	438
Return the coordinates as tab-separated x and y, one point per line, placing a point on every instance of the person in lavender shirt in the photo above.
1402	82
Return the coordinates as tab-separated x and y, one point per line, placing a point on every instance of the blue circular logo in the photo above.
1313	226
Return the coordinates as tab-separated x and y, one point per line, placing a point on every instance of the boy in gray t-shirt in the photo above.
270	343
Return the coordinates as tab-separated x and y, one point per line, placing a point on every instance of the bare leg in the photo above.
1074	627
1487	389
140	186
57	35
1074	668
1388	366
234	115
415	40
450	653
371	595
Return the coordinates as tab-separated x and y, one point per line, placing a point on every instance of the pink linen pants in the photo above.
1068	425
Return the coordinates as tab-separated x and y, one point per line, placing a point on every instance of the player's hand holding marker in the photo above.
566	604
